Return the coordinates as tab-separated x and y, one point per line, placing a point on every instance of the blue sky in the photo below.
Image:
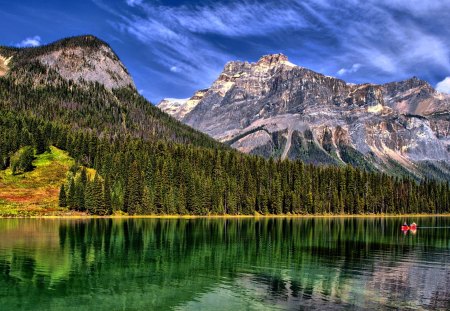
173	48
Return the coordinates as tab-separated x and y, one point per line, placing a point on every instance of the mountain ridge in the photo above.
79	59
53	91
403	122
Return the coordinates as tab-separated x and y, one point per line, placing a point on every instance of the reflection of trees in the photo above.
160	263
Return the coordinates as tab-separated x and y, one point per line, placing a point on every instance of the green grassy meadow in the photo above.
36	192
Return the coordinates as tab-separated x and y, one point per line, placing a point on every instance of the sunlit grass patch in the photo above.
35	192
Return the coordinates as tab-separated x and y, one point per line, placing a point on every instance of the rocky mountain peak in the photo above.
277	109
408	84
179	108
273	59
79	59
414	96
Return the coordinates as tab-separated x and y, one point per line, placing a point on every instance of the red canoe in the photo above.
413	226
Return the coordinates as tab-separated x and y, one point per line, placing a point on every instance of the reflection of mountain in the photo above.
418	279
186	264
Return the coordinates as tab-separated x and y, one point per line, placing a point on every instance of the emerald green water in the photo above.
218	264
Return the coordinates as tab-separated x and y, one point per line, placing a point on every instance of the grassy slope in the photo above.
35	192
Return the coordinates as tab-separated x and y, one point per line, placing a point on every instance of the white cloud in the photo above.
174	69
391	38
352	69
134	2
30	42
444	86
417	7
175	35
236	19
382	60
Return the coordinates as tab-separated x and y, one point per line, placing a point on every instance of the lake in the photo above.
223	264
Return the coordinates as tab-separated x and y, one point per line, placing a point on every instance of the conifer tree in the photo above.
79	198
83	176
71	194
107	197
41	142
135	190
94	197
24	163
62	197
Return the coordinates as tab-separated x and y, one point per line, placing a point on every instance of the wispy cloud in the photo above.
352	69
133	2
361	40
391	38
234	20
30	42
179	36
444	85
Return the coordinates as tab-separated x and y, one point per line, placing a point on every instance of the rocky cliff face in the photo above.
179	108
4	62
80	59
275	108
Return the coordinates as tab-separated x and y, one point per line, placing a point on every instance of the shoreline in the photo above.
222	216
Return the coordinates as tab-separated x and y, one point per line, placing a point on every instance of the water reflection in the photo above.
258	264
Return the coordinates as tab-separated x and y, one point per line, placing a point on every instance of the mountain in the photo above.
79	59
277	109
75	97
179	108
81	82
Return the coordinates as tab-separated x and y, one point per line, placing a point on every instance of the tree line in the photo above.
135	176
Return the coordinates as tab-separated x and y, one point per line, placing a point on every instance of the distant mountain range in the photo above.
276	109
106	149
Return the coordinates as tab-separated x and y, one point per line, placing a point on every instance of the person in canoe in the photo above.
413	228
405	227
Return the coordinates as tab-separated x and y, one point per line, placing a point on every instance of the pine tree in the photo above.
98	196
79	197
94	197
107	197
41	142
71	194
89	202
276	196
135	190
83	176
24	162
62	197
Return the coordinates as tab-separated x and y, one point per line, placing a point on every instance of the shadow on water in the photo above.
306	263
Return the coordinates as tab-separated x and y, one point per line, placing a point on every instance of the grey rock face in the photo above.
78	59
88	64
179	108
275	108
4	65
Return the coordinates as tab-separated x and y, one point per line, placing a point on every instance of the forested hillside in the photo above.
149	163
34	89
160	177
